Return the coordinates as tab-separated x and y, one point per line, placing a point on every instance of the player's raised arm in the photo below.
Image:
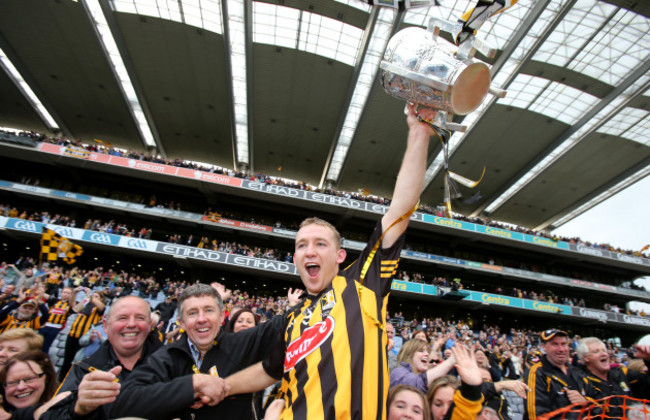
410	178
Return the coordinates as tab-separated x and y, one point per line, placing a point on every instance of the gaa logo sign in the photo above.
25	225
101	238
135	243
63	231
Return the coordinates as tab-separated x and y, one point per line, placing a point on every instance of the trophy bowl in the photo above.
422	68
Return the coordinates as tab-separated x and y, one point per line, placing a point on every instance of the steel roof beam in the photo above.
109	15
29	79
616	92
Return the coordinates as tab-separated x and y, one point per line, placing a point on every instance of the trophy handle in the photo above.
467	48
412	75
499	93
441	24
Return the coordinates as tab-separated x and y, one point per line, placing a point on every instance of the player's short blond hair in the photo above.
320	222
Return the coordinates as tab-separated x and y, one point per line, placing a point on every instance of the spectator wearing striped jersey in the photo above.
23	312
333	348
58	314
89	312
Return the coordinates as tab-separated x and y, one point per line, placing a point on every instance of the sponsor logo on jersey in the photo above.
310	340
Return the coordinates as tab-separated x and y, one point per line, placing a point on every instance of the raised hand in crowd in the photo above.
641	351
223	292
440	341
294	296
466	365
97	388
22	295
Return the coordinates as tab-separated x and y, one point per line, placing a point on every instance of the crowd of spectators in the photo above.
232	247
503	356
271	220
275	221
436	210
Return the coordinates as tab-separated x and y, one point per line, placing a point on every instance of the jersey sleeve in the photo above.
376	266
273	363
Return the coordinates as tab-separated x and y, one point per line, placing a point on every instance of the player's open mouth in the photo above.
23	395
312	269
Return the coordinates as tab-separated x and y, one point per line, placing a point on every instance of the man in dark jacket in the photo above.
127	325
167	309
184	379
553	383
604	381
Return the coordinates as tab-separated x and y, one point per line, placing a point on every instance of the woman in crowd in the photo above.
502	395
242	320
28	380
405	401
420	334
18	340
413	366
464	394
441	395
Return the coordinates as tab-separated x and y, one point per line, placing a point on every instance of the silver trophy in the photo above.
422	68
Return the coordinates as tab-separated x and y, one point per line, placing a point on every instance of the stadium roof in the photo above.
290	88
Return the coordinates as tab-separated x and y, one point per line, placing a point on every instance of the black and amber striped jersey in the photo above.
59	313
10	320
83	323
54	278
333	360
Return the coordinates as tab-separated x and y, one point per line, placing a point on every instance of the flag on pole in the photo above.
50	241
55	246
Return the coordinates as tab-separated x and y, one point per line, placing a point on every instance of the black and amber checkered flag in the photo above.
50	241
55	246
72	254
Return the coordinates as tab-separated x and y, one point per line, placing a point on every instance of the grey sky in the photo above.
621	221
